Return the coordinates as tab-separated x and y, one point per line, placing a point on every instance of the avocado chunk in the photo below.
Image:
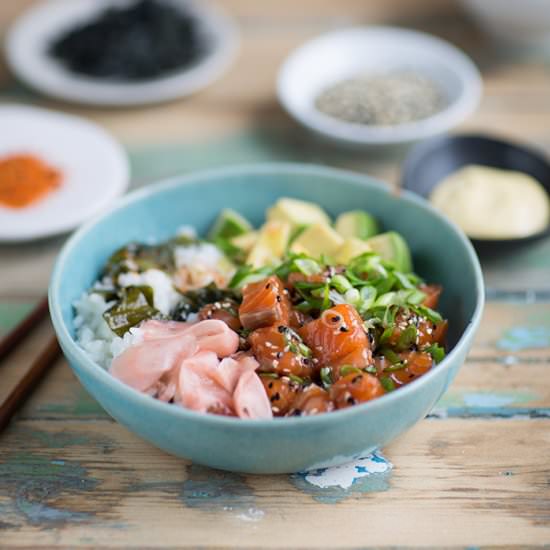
297	212
356	223
351	248
317	240
229	224
245	241
391	246
271	244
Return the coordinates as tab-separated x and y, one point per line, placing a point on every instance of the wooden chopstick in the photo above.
25	386
13	338
28	382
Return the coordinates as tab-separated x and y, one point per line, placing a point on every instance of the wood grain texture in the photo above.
95	483
475	473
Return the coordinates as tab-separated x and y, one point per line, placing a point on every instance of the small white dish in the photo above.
343	54
93	165
28	40
525	23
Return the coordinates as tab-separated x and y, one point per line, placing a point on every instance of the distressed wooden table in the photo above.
476	472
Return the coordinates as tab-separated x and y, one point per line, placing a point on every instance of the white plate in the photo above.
94	170
28	40
345	53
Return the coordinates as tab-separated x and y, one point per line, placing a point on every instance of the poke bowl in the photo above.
256	442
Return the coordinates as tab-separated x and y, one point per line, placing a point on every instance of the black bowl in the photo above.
431	161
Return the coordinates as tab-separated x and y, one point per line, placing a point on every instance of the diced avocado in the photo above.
297	212
391	246
271	244
351	248
356	223
245	241
318	239
229	224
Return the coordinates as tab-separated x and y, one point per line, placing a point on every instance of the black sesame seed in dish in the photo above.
142	40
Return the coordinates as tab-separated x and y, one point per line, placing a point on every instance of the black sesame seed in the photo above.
270	385
344	329
275	397
357	378
278	298
281	328
350	400
335	318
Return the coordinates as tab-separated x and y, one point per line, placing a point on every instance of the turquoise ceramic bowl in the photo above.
441	253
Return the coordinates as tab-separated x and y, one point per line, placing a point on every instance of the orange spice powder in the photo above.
25	179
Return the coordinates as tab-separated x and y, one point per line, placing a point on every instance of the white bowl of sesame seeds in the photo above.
378	86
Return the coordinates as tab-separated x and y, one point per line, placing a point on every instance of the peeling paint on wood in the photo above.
34	482
331	485
213	491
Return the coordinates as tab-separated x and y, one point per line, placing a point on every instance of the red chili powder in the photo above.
25	179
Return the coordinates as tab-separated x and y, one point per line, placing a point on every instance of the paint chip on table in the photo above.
331	485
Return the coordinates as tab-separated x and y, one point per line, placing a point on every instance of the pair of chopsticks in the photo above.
34	374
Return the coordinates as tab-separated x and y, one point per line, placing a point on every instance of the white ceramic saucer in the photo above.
94	168
28	41
343	54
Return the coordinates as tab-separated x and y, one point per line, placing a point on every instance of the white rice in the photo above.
92	332
205	255
94	335
165	297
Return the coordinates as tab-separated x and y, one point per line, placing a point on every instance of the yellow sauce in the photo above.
489	203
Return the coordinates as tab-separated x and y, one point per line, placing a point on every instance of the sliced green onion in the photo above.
340	283
348	369
307	266
391	356
304	350
387	383
407	338
352	296
296	379
326	377
247	274
388	331
429	313
436	351
269	375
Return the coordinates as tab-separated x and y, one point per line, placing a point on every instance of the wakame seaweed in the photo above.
193	300
141	257
134	305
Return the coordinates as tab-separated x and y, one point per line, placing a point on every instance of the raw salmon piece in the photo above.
197	390
311	400
433	292
277	349
427	332
418	363
264	303
250	398
336	336
226	311
216	336
356	387
281	393
141	366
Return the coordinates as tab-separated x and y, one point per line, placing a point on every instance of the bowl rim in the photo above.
138	398
420	151
451	57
